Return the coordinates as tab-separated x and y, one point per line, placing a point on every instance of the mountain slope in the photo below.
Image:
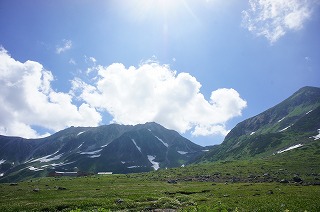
111	148
292	123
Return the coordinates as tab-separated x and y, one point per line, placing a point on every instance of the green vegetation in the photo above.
139	193
247	185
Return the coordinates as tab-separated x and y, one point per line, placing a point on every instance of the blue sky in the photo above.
196	66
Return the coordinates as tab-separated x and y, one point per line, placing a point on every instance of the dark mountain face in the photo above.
111	148
292	123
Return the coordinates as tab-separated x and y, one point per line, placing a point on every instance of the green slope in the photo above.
241	185
294	121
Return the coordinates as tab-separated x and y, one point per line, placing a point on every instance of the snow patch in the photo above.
132	167
252	133
58	164
182	152
2	161
164	143
80	133
31	168
309	112
1	174
105	145
47	158
91	153
149	130
290	148
284	129
205	150
182	165
94	156
155	165
136	144
123	162
281	119
316	137
80	145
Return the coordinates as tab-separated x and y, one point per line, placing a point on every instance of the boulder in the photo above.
172	181
119	201
13	184
297	179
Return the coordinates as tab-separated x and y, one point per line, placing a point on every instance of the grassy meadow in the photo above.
248	185
135	193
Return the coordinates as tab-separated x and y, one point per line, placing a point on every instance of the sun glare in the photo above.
142	9
166	4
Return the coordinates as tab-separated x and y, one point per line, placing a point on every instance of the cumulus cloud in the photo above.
150	92
66	45
27	100
274	18
154	92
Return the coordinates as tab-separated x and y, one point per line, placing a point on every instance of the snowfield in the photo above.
164	143
56	164
105	145
155	165
316	137
309	112
80	145
182	152
132	167
31	168
48	158
290	148
91	153
136	144
284	129
80	133
281	119
94	156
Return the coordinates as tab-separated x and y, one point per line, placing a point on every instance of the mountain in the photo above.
293	123
110	148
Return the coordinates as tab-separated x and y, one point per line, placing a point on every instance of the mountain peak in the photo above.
309	88
289	123
108	148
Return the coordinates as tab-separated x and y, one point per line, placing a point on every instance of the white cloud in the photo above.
92	59
151	92
72	61
67	44
27	99
154	92
92	62
274	18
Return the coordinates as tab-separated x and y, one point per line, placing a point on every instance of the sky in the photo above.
196	66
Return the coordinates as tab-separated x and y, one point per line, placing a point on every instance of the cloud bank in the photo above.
154	92
274	18
28	100
151	92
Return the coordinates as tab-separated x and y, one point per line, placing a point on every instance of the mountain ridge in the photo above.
108	148
291	122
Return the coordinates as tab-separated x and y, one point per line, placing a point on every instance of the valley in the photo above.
269	162
222	186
